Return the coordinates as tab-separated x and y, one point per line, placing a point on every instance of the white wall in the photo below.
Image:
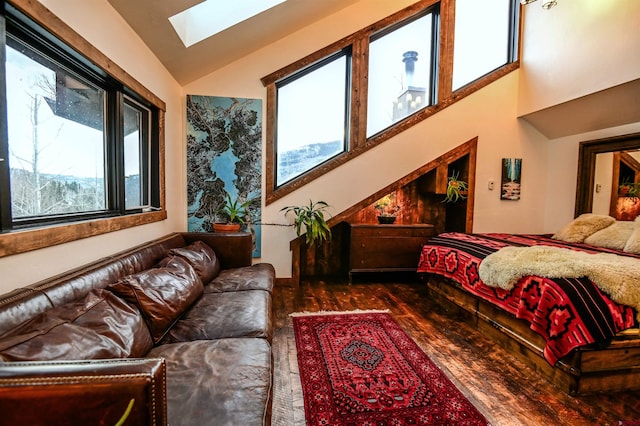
98	22
572	50
577	48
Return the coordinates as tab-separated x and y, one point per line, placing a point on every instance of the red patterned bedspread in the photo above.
567	312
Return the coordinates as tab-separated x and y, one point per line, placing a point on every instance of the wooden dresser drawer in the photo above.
382	231
386	248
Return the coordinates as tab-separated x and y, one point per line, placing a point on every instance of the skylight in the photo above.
213	16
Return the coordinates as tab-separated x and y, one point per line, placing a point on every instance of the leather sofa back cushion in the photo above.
97	327
201	257
162	294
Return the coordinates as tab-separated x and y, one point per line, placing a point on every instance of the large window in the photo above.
78	143
484	39
400	77
312	117
56	137
329	107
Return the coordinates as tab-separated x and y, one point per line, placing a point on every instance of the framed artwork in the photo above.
511	178
224	156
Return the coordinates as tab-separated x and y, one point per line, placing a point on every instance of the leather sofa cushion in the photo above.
259	276
99	326
221	315
162	294
201	257
225	382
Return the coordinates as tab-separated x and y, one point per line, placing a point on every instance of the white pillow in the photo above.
614	236
581	227
633	243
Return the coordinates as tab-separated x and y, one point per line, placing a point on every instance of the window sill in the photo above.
33	239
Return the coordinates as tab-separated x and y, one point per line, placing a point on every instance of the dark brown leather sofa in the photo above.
173	331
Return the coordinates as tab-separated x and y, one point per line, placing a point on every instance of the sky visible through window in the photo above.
311	112
311	109
67	148
481	39
387	77
213	16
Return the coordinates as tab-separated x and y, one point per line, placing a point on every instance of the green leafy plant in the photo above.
312	218
233	211
456	189
629	189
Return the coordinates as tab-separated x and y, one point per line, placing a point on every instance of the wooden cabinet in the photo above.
386	248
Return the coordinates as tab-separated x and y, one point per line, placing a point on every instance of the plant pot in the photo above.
226	227
387	220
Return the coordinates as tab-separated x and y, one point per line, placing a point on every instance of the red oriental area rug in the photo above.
361	368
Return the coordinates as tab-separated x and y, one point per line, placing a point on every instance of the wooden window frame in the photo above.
334	56
359	42
20	241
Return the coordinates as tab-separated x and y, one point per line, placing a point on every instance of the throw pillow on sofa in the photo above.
162	294
99	326
201	257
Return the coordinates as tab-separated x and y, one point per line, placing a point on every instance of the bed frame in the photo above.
610	367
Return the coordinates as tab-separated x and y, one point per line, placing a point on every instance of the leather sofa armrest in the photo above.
84	392
233	249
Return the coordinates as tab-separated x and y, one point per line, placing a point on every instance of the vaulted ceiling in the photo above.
150	19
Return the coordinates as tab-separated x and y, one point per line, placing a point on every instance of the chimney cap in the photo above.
410	55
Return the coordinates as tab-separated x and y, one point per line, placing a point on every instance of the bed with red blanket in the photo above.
572	315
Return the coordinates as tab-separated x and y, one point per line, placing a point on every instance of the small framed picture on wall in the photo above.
511	178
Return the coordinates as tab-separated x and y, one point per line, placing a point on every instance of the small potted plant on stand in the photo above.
231	216
312	218
387	210
456	189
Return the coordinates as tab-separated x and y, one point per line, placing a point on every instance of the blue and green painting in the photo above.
224	156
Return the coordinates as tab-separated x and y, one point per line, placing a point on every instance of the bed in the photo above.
550	314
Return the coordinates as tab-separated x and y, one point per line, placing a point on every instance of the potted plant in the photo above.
387	209
312	218
231	216
628	189
456	189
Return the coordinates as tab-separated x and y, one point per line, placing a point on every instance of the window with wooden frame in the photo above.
485	38
80	147
422	84
402	64
312	116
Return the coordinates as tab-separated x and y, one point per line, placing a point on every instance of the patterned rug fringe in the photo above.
357	311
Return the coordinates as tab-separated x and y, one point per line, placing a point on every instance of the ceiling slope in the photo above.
150	19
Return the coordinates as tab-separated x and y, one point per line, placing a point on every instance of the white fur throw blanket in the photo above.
617	276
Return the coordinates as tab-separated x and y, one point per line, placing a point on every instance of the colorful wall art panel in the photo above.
511	178
224	161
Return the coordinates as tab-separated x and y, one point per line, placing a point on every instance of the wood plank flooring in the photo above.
503	389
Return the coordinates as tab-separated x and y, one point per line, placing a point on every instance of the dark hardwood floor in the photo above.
503	389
